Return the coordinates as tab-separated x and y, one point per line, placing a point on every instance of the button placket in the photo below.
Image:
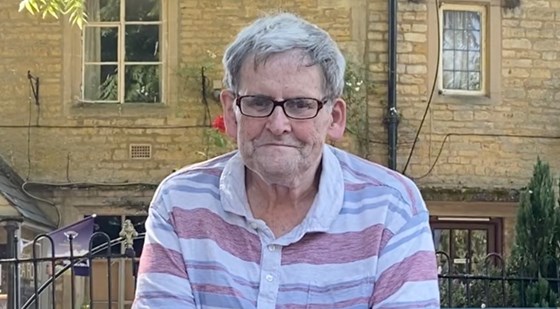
270	268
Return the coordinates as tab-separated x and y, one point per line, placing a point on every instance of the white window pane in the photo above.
473	21
101	44
103	10
142	43
447	60
142	10
457	20
473	40
474	81
460	42
460	60
448	39
448	19
456	80
474	61
100	83
142	84
447	79
463	80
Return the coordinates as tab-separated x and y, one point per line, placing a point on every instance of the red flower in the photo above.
219	124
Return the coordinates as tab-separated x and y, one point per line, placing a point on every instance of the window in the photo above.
462	49
467	243
122	52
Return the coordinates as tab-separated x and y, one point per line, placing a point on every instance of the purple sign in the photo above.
80	232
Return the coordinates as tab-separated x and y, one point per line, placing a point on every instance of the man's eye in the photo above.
301	104
257	102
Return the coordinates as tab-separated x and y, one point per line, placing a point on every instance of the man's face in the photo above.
279	148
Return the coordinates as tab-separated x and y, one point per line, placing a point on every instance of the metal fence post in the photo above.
11	225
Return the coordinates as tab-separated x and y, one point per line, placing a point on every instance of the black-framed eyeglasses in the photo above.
258	106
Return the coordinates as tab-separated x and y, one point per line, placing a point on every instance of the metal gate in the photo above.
50	278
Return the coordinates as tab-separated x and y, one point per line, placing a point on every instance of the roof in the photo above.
11	190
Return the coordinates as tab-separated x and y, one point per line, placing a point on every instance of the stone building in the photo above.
93	119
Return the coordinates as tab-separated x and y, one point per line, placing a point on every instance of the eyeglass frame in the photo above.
320	105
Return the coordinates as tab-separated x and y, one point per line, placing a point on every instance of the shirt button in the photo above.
271	248
254	225
269	278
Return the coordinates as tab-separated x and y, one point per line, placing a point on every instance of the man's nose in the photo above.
278	123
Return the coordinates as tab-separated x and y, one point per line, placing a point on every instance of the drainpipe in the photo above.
392	117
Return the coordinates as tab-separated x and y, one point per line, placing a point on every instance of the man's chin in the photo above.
277	171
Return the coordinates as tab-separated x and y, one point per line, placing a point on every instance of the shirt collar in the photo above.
326	206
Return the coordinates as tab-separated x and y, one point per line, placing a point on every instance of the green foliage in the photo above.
109	11
535	252
536	240
142	84
109	89
357	119
533	260
55	8
486	292
192	77
540	295
215	144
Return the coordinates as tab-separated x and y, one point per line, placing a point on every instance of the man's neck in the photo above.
292	192
281	207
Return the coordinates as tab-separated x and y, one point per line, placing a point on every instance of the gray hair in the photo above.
280	33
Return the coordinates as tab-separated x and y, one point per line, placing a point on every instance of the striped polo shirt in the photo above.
365	243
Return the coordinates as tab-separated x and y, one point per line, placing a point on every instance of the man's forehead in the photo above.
297	56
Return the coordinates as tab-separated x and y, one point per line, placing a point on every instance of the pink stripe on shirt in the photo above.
204	224
326	248
417	267
158	259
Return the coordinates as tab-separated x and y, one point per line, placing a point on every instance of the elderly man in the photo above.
286	221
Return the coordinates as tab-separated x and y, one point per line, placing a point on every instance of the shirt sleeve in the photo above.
407	269
163	281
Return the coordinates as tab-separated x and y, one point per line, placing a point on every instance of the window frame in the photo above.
493	225
493	52
482	10
121	63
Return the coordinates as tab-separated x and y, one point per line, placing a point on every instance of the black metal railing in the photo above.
488	285
494	285
29	296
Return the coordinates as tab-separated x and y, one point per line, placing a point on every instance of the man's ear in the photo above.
338	124
228	106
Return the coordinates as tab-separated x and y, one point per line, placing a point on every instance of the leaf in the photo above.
23	5
29	5
35	6
56	8
53	14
